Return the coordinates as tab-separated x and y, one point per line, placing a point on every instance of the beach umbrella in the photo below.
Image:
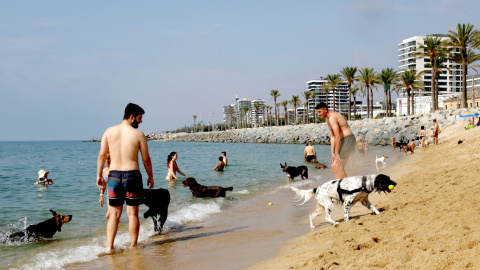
468	114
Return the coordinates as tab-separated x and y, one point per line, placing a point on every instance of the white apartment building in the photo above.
257	114
473	82
341	97
449	81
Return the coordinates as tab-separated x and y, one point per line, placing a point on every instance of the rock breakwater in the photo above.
376	131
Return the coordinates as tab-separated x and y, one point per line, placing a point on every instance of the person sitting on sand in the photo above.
220	165
172	167
309	152
42	178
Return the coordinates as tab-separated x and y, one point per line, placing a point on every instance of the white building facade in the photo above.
422	104
448	82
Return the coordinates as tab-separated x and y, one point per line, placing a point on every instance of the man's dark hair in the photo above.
132	109
321	105
225	153
220	158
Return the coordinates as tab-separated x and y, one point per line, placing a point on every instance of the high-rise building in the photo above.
448	82
341	96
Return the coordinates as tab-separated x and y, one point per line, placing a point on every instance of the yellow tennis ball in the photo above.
391	187
270	203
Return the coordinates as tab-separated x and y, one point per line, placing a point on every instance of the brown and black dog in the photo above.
409	147
42	230
204	191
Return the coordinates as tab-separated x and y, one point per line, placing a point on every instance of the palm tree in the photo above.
354	91
285	104
275	94
326	90
332	82
367	81
269	115
295	101
306	95
231	112
257	108
245	113
410	80
388	76
461	40
277	116
432	48
263	107
195	122
348	74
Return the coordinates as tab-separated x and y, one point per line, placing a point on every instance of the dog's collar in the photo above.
363	188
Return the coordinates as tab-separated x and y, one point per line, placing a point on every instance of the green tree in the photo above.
333	80
295	101
348	74
194	123
410	80
285	116
275	94
257	108
461	41
387	77
245	113
367	80
306	95
277	109
432	48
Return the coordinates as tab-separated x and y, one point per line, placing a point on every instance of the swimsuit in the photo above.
310	157
175	168
347	145
435	134
125	185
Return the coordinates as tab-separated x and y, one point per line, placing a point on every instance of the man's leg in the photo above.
133	224
114	213
339	168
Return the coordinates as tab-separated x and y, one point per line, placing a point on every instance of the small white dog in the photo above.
381	159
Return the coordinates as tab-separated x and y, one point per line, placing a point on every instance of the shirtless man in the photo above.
224	157
220	165
436	129
342	140
123	142
309	152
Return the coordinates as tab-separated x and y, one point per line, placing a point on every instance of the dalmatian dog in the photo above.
348	190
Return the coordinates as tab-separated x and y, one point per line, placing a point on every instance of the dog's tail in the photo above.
304	194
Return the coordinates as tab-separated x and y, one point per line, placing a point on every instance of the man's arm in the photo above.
147	162
335	128
102	156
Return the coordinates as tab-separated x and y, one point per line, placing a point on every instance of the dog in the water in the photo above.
42	230
204	191
318	165
293	172
157	201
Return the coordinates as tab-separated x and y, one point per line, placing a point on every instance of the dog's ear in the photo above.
53	212
281	165
58	222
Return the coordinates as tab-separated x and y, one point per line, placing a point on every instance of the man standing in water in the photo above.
342	140
123	142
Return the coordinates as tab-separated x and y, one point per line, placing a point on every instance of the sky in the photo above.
69	68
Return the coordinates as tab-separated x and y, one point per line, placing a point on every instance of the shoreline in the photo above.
428	221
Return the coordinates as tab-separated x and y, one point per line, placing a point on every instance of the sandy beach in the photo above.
430	220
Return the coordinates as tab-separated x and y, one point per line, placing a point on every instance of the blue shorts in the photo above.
125	185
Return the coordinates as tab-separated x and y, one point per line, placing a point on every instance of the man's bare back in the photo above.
338	125
124	142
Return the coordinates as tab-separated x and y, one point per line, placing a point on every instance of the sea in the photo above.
253	170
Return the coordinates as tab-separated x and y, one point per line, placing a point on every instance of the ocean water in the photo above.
253	170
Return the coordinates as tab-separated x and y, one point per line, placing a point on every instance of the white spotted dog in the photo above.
348	190
380	159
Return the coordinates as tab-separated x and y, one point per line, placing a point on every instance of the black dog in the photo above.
401	145
157	201
204	191
41	230
293	172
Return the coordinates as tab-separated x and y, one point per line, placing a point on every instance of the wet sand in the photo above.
430	220
241	235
